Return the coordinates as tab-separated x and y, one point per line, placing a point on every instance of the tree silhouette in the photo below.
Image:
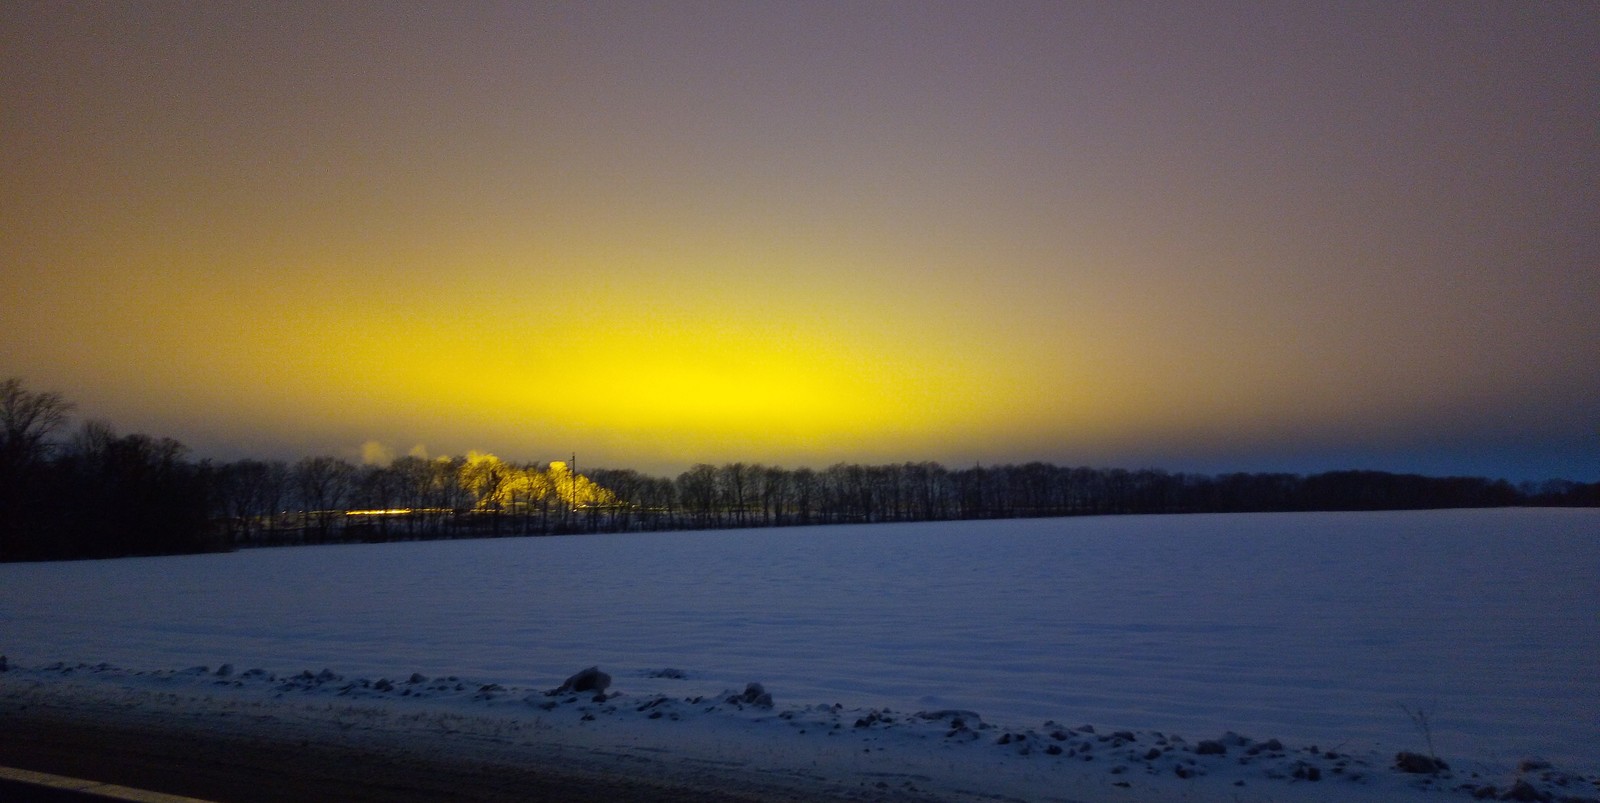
27	420
323	484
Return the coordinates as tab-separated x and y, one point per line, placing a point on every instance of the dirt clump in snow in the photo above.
754	695
1418	764
587	680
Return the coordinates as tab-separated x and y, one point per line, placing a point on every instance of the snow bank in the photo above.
742	740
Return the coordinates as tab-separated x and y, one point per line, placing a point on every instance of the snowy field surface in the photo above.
1162	632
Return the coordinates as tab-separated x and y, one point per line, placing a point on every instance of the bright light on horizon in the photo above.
801	236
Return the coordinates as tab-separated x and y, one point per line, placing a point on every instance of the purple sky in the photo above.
1202	236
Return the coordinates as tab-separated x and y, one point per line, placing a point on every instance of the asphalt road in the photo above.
238	768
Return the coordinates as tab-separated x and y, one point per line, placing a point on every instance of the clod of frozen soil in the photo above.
1234	739
591	679
754	695
1524	791
959	719
1268	746
1419	764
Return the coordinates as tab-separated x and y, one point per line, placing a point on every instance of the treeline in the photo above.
743	495
320	500
326	500
98	494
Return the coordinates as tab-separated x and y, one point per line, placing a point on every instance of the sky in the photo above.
1198	236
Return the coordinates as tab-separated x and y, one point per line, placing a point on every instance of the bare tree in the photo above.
412	476
27	420
733	486
697	492
377	488
250	495
804	481
775	490
238	488
324	483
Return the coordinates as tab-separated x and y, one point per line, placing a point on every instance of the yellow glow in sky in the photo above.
799	235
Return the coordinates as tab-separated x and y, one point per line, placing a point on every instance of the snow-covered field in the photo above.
1314	629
